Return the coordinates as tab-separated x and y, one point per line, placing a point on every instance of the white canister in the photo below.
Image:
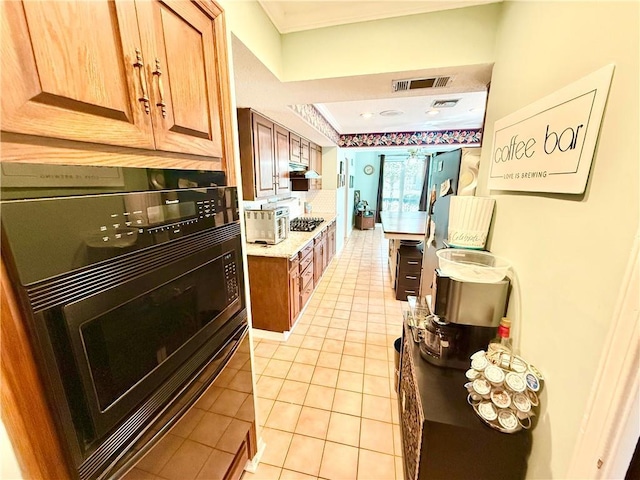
469	221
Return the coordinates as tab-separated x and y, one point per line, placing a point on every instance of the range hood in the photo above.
307	174
300	171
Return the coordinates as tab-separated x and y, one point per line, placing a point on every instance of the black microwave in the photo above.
128	288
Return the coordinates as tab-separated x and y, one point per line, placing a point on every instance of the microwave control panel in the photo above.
77	231
231	276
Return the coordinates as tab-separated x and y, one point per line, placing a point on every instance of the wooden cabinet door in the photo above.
294	292
312	164
182	71
331	242
282	160
294	143
263	132
304	151
317	166
69	71
317	263
312	154
325	254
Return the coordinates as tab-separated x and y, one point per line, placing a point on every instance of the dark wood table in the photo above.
404	225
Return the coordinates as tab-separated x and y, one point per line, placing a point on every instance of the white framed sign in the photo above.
548	146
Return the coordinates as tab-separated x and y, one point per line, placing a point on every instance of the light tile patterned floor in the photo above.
326	399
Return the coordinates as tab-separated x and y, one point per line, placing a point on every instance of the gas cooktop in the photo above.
305	224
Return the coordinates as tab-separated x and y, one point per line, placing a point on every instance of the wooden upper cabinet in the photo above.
294	144
69	71
282	160
304	151
318	167
264	156
179	41
141	74
312	155
315	164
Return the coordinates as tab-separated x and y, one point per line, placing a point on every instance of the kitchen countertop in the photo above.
293	244
404	225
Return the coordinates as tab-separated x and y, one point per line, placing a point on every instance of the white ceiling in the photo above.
341	100
411	113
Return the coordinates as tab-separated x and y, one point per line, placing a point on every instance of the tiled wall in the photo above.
322	201
295	204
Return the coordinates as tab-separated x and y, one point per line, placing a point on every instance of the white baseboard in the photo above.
269	335
252	464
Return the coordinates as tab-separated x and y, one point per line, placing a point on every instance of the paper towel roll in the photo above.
469	221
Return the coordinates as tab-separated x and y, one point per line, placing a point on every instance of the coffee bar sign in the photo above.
549	145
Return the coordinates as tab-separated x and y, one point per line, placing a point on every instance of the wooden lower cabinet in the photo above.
331	241
277	290
294	289
319	256
269	290
281	287
246	452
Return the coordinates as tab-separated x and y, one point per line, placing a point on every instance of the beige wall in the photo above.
463	36
569	252
248	21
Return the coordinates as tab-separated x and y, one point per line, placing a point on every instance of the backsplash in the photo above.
322	201
295	204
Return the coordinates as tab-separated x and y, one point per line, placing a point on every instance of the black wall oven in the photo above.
130	293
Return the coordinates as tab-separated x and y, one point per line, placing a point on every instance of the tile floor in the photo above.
327	407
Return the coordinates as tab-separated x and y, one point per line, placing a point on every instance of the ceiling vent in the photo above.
445	103
418	83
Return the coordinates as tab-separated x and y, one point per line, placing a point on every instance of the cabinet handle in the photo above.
412	263
139	64
410	277
158	74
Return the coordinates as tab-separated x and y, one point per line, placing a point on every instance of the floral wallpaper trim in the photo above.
469	137
313	117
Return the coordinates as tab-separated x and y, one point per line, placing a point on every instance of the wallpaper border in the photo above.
468	137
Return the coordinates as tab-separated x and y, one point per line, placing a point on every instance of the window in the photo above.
402	182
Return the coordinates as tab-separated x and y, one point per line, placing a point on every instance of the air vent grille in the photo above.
401	85
418	83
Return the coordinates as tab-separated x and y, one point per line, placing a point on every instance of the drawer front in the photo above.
305	250
410	265
304	263
307	276
294	263
402	292
409	280
306	293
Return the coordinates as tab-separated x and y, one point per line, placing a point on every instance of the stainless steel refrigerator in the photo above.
444	173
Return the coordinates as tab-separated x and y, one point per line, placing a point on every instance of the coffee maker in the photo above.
465	317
